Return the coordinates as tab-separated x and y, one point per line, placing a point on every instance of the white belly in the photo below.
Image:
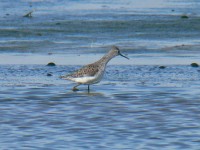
88	79
85	80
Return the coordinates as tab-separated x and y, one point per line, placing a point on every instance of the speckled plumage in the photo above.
88	70
92	73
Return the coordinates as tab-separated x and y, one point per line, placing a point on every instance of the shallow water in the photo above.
134	107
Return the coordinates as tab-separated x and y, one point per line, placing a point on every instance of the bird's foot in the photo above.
75	89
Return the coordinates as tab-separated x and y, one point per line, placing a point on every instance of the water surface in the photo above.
138	104
134	107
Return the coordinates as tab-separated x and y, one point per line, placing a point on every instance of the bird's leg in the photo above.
74	88
88	88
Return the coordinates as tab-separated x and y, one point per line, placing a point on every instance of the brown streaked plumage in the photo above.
92	73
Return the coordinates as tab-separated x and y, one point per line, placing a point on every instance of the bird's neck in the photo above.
106	58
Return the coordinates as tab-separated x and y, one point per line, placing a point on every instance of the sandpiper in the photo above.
92	73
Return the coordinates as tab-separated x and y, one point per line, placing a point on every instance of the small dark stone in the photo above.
194	65
49	74
173	10
162	67
184	17
7	14
39	34
51	64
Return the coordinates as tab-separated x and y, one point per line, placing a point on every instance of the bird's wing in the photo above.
88	70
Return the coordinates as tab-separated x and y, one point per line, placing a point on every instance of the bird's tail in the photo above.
63	77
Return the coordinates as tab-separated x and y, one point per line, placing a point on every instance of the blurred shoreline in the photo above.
76	27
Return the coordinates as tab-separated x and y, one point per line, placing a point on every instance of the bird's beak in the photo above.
123	56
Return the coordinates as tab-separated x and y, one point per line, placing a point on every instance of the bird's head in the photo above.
115	51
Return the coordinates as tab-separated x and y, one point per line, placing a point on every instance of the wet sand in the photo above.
83	59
